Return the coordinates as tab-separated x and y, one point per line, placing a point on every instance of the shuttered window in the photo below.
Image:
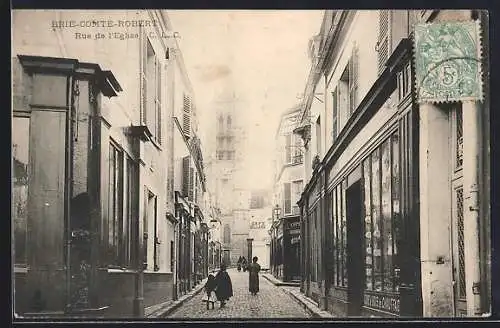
383	46
144	81
185	176
288	149
186	116
191	184
287	198
335	114
158	101
353	80
151	83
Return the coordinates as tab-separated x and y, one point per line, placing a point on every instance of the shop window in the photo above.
382	219
116	233
20	177
339	235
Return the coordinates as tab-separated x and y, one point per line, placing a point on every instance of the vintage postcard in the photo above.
250	164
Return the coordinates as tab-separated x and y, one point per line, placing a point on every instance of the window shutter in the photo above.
191	184
335	111
353	79
143	82
288	198
185	176
383	39
186	116
288	149
158	100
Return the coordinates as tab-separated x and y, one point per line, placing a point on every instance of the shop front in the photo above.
184	258
360	214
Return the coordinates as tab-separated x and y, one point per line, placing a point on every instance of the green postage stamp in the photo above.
448	61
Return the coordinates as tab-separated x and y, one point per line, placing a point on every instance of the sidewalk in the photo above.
164	309
293	290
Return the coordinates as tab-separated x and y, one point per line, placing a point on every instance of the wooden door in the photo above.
355	267
46	214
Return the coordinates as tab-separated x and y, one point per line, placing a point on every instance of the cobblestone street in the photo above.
270	302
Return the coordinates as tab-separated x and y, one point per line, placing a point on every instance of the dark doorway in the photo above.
355	270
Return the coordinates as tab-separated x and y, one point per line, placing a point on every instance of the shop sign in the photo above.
383	302
257	225
295	240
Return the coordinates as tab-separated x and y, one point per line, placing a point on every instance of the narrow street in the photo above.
270	302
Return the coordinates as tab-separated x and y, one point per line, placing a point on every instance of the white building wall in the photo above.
34	33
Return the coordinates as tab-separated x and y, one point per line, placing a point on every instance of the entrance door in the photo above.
458	213
355	270
227	257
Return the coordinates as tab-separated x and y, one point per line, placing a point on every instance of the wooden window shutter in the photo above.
143	81
158	100
186	116
287	198
191	184
353	79
185	176
335	111
383	39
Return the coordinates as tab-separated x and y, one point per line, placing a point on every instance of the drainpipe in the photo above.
472	148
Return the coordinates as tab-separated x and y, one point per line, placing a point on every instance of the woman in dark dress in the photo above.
224	289
253	276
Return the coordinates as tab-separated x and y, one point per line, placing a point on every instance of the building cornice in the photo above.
106	81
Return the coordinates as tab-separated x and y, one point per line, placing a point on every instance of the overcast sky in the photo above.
262	55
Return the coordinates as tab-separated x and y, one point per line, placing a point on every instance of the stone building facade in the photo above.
94	206
389	205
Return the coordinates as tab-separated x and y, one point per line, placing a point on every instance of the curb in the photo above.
308	304
174	305
277	282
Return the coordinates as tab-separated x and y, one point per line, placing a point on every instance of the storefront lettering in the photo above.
382	302
258	225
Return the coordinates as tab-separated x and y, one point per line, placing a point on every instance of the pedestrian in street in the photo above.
210	286
244	264
224	289
253	276
240	260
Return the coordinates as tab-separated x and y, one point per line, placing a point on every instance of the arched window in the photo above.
227	234
229	121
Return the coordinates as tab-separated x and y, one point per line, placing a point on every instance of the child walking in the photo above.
210	286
